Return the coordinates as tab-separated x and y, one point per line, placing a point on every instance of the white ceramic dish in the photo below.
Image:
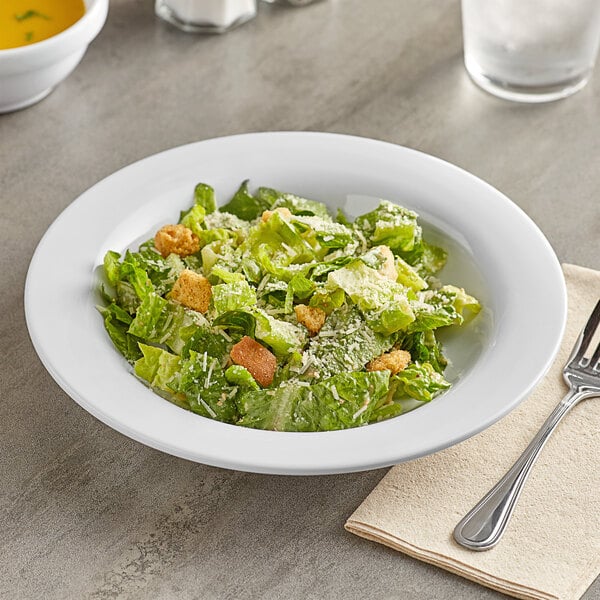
29	73
497	252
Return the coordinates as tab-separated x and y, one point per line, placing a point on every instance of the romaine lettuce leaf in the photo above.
116	323
299	287
340	402
462	301
127	298
327	301
426	259
281	336
225	275
204	196
151	318
204	339
343	401
237	321
160	321
220	255
390	225
420	381
325	231
273	292
161	370
202	382
240	376
112	267
147	271
272	246
136	276
237	295
246	206
194	218
344	344
383	302
318	270
295	204
408	276
432	260
424	348
443	307
270	409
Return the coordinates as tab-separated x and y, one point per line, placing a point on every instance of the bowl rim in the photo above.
95	14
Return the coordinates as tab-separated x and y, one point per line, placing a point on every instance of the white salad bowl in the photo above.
495	251
29	73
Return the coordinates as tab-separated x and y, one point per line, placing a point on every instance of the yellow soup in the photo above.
25	22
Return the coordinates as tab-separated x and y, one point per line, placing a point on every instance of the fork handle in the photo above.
483	526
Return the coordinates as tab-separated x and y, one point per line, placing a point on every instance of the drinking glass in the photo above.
530	50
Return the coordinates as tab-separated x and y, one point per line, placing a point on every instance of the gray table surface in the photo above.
88	513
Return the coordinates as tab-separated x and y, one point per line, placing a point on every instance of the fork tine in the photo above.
594	360
585	337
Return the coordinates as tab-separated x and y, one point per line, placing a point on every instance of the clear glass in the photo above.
531	50
205	16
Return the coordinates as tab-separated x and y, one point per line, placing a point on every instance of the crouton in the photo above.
259	361
192	290
282	210
394	361
388	268
176	239
311	317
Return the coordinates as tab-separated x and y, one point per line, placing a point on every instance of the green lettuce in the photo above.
116	323
446	306
390	225
295	204
299	288
281	336
424	348
259	271
204	196
419	381
237	321
383	302
240	376
202	382
112	267
426	259
343	401
344	344
272	246
152	318
408	276
326	232
270	409
161	370
194	218
237	295
340	402
246	206
221	256
203	339
327	301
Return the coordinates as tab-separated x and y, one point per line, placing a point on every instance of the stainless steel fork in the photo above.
483	526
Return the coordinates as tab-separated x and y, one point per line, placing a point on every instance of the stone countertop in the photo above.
89	513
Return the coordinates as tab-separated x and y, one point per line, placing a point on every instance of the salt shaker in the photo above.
291	2
205	16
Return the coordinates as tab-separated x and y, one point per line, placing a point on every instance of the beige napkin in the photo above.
551	549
